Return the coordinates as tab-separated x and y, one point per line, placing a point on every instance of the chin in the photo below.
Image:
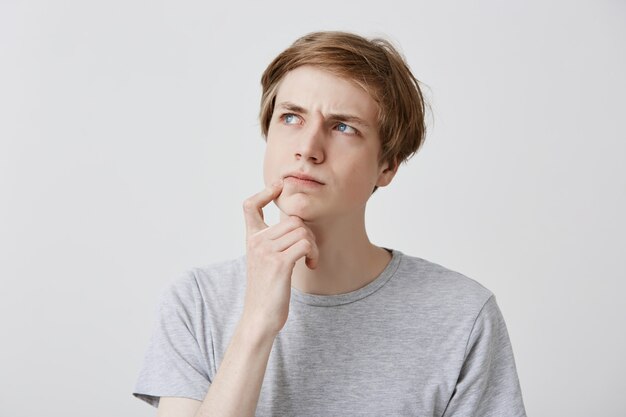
295	205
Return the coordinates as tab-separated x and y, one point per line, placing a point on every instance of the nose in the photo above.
310	144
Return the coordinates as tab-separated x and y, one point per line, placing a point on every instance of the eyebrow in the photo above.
287	105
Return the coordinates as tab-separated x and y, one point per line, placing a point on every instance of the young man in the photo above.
315	320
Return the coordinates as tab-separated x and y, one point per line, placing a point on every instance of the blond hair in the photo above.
377	67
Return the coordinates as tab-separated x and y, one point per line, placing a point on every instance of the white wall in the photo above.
129	139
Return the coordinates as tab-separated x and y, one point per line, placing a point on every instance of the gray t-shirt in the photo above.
419	340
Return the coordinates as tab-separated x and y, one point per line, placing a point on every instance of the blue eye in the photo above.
290	118
344	128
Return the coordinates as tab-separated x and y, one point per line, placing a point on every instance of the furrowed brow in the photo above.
348	118
287	105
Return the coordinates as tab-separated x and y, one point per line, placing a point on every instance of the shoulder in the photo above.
207	286
432	284
216	276
221	276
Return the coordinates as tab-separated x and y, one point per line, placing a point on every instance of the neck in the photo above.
347	259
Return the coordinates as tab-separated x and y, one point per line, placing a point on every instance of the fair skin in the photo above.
326	127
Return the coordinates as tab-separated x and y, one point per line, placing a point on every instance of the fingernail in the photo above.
277	183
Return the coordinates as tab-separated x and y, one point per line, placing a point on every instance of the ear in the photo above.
386	174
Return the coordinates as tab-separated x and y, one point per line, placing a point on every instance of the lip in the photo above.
300	182
303	177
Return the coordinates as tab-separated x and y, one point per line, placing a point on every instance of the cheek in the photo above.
361	184
266	169
271	167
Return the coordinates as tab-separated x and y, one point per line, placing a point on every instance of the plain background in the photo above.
129	139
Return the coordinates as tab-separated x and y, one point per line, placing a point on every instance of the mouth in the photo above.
302	181
302	178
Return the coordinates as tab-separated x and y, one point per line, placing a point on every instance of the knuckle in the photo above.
248	205
254	240
295	221
306	245
306	233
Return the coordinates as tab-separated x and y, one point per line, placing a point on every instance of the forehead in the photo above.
318	90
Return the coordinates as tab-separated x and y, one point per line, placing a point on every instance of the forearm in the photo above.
272	253
236	387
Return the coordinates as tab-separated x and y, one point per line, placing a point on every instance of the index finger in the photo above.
253	207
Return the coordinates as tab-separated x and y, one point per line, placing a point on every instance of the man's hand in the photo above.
272	252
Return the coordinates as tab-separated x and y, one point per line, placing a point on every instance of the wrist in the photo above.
253	333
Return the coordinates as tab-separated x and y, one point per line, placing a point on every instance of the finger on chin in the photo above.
253	215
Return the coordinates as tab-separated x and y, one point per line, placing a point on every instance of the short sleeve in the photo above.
488	384
175	362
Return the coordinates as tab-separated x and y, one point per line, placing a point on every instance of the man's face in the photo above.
325	127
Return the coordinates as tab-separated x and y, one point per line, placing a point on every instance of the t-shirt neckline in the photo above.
352	296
